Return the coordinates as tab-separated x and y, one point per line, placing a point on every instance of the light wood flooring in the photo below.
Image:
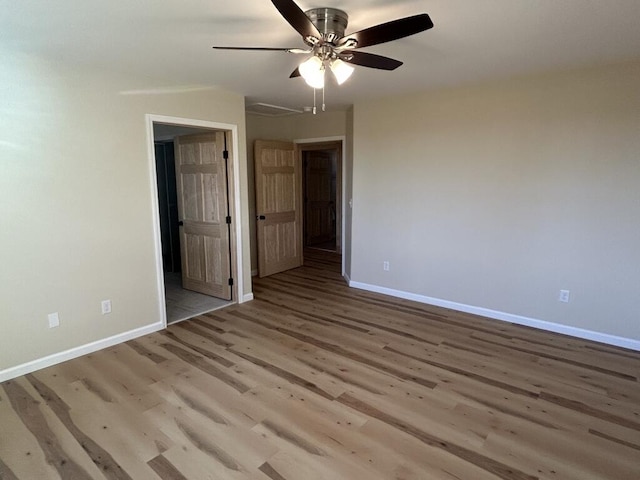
313	380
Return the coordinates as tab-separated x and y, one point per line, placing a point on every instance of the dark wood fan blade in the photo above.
386	32
296	18
295	73
268	49
370	60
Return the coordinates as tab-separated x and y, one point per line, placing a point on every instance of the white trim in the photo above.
155	212
506	317
337	138
247	297
343	140
187	122
76	352
343	219
237	213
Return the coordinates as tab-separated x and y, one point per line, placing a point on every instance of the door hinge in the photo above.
228	219
231	282
225	154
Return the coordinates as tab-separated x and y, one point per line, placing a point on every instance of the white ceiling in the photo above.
170	41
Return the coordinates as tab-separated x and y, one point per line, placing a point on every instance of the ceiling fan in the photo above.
322	29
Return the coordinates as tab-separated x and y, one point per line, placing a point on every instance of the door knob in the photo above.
261	217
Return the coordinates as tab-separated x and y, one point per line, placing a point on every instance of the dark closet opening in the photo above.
168	205
319	178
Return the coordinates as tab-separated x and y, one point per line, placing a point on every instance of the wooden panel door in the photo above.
278	206
201	180
320	194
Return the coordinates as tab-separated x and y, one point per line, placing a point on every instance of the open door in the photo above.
319	168
201	179
278	206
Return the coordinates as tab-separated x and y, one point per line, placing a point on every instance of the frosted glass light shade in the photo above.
312	70
341	70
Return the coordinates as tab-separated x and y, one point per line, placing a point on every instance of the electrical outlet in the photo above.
54	320
564	296
385	266
106	307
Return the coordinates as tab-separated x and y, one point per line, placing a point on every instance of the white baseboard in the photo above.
505	317
56	358
348	280
247	297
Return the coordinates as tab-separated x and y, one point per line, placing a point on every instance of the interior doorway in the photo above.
321	189
191	259
285	196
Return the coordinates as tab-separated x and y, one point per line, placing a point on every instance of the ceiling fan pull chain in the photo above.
314	101
323	98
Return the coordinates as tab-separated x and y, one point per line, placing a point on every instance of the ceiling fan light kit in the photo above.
322	29
341	70
312	70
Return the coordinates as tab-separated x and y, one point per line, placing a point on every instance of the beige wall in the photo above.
76	202
290	128
500	195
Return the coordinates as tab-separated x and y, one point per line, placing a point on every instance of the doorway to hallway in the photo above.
321	187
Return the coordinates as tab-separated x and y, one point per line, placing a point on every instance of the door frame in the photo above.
237	267
341	191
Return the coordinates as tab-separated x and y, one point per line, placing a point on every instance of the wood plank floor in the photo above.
313	380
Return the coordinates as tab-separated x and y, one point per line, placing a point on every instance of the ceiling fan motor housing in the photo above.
330	22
